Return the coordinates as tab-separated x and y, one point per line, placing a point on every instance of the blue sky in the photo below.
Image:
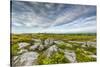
37	17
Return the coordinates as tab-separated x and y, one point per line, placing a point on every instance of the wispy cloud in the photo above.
46	17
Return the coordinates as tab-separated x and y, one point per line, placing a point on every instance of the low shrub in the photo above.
83	56
54	59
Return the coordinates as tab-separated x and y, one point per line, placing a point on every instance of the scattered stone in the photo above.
41	47
23	45
91	44
22	51
35	46
27	59
71	56
51	50
48	42
15	60
85	44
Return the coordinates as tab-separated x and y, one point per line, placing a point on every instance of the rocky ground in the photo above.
50	51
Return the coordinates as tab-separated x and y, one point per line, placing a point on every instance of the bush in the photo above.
54	59
82	56
91	49
14	49
62	46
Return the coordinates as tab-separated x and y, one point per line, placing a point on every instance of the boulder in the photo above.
23	45
41	47
70	55
26	59
35	46
91	44
22	51
48	42
51	50
14	61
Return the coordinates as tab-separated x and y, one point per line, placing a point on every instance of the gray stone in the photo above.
23	45
27	59
22	51
35	46
91	44
48	42
51	50
70	55
41	47
85	44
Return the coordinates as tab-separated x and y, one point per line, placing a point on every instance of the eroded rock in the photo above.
22	51
71	56
51	50
35	46
41	47
27	59
23	45
48	42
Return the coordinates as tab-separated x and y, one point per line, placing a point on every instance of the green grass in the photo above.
64	37
91	49
56	58
81	53
83	56
14	50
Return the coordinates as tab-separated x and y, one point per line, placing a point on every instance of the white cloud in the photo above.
17	24
47	17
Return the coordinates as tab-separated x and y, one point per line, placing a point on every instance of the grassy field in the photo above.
15	38
81	53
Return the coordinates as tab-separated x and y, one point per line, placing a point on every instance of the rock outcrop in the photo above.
51	50
34	47
29	53
71	56
23	45
22	51
48	42
26	59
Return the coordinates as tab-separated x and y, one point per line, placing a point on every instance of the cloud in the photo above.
31	15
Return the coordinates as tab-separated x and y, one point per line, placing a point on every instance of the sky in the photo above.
39	17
